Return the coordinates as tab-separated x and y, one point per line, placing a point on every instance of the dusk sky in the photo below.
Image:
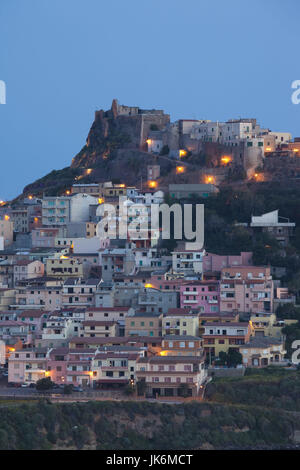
63	59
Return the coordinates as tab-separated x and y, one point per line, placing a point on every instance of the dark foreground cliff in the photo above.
142	425
258	411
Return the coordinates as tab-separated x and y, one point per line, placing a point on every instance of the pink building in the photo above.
212	262
158	281
67	366
62	365
41	297
246	289
44	237
27	365
56	367
27	269
203	295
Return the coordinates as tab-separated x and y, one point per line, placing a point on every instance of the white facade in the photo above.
187	261
64	209
270	219
87	245
155	145
281	137
79	210
226	330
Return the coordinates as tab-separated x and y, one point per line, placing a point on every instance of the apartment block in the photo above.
180	322
143	324
246	289
171	375
263	351
221	336
203	295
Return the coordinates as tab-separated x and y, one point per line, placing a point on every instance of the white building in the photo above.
281	137
188	261
64	209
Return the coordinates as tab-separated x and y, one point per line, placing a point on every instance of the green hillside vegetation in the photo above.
271	388
143	425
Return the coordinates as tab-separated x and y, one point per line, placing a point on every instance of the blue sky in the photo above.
63	59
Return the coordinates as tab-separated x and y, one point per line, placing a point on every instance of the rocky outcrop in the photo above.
121	127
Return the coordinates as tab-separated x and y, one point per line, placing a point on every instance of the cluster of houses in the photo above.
234	143
107	313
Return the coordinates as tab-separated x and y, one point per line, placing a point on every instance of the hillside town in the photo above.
134	314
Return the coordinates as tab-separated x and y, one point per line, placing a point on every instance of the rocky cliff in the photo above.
115	149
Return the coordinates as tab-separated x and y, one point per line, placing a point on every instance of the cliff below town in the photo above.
143	425
257	411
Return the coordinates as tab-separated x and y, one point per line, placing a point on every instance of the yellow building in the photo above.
223	336
180	324
6	231
266	324
263	351
7	297
227	317
143	324
64	267
100	329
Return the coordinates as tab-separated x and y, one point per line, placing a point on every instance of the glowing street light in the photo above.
152	184
226	159
180	170
209	179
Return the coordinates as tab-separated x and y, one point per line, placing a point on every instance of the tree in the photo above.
68	388
234	358
141	387
129	389
230	359
165	150
223	358
44	384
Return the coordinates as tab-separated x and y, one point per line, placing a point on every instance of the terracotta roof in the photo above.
228	324
98	323
107	309
171	359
